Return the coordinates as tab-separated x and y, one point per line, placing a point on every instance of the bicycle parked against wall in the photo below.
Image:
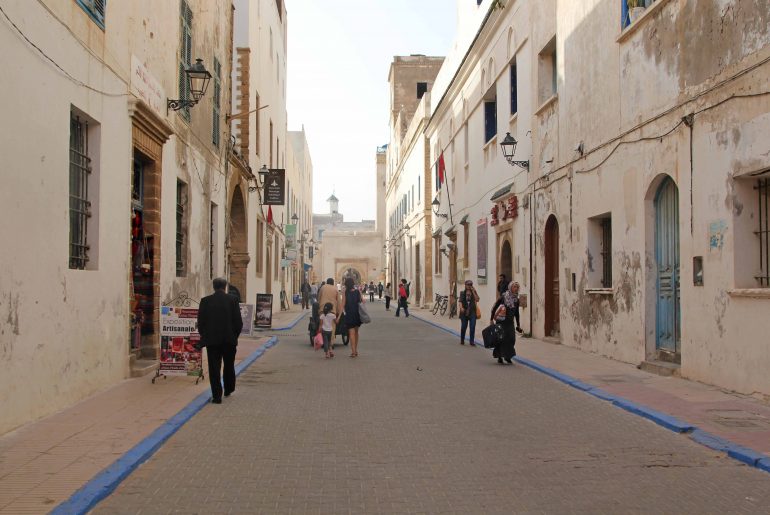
441	304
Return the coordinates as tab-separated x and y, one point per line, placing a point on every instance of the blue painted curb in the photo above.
452	331
291	325
106	481
735	451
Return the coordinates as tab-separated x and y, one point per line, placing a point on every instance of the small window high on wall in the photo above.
490	114
422	88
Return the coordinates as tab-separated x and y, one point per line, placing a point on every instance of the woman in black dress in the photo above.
352	317
505	350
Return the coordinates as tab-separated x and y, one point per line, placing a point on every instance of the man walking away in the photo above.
305	291
380	287
403	294
388	294
502	285
372	289
220	324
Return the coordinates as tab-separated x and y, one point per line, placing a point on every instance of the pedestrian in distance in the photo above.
220	324
403	295
502	285
313	293
372	289
469	311
388	295
379	290
328	323
305	291
352	315
505	312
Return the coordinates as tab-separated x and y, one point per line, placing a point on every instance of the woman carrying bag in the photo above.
352	314
469	312
504	312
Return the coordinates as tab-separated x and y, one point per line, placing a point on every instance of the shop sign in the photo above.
146	86
275	187
178	336
291	237
264	312
247	315
481	247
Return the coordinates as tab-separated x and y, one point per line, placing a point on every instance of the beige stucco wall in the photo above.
65	333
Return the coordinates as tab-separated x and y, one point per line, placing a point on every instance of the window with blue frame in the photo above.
490	119
627	17
514	91
96	10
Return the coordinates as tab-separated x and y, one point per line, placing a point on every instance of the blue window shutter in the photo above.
514	90
490	119
96	10
624	21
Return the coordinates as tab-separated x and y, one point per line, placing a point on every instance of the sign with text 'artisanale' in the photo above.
275	187
178	336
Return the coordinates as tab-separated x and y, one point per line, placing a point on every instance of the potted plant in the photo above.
635	9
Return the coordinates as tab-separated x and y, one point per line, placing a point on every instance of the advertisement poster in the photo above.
247	315
178	335
481	248
275	187
264	310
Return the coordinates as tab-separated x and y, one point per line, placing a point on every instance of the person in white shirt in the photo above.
328	322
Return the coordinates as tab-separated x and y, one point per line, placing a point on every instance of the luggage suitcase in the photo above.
492	336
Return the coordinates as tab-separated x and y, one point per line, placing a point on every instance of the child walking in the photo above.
328	321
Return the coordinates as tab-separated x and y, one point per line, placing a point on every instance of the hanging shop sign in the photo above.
291	236
264	311
178	337
247	315
275	187
481	247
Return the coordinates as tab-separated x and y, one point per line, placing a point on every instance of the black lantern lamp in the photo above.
509	150
436	204
294	218
263	172
198	78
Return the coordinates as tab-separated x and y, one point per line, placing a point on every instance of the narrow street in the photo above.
419	424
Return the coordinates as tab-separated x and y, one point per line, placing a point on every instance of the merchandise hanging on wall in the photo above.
247	315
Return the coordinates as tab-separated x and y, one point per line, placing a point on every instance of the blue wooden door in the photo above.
667	324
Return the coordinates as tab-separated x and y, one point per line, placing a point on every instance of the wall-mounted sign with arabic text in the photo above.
275	187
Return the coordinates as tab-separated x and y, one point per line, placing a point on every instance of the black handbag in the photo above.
493	336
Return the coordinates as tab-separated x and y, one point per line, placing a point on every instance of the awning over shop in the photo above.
501	192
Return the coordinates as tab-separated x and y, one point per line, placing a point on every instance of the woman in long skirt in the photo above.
506	350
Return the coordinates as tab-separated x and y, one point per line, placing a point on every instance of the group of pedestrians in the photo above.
339	312
505	313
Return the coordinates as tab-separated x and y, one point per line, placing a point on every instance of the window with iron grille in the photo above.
763	231
181	204
95	9
80	204
185	54
215	135
606	225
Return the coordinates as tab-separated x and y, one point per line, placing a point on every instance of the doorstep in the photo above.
661	368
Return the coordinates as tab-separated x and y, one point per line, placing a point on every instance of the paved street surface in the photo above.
419	424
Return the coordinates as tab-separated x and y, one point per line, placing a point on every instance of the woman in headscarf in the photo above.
505	312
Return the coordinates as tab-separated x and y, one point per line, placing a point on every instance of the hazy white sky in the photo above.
338	58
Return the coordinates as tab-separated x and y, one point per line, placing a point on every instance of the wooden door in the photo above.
668	316
552	277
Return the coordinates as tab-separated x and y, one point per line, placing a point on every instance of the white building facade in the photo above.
635	219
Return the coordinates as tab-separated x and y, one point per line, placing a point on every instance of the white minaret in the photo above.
334	205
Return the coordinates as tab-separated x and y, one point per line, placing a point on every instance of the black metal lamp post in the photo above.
436	204
294	218
509	150
198	78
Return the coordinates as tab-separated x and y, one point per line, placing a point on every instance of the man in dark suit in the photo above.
220	324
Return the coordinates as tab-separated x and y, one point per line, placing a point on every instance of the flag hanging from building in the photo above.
269	214
441	169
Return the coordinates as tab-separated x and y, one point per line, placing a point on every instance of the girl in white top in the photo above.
328	321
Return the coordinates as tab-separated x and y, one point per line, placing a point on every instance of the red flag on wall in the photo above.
269	214
441	169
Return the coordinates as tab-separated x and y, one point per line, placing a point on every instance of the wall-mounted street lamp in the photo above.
198	78
443	251
436	204
509	150
294	218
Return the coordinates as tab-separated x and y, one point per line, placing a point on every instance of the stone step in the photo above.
661	368
142	367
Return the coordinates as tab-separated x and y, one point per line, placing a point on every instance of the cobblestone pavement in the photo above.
420	424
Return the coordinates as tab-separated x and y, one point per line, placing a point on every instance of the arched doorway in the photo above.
239	254
552	277
506	260
351	272
667	312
